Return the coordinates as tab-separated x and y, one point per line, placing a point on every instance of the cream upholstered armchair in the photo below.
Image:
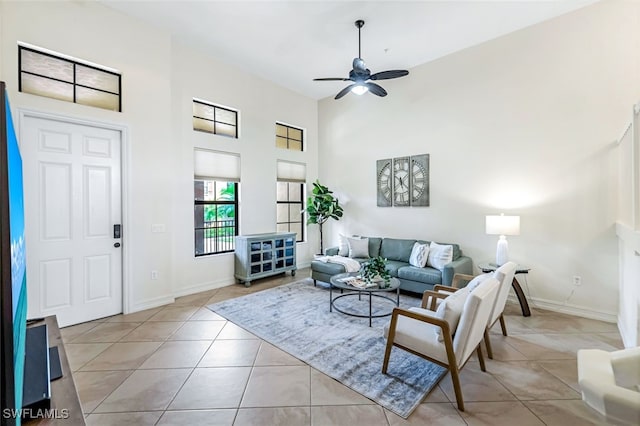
441	337
504	274
610	383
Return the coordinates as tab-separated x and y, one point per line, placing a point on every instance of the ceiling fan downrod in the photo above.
359	24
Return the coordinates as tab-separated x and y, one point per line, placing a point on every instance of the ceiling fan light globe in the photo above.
359	89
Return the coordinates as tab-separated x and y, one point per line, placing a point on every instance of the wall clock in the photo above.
420	180
384	182
401	182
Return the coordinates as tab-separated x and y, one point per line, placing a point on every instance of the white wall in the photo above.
524	124
261	104
159	80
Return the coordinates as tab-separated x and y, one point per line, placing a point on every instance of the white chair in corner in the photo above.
610	383
504	274
415	330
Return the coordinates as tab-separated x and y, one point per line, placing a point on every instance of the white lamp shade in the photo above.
502	225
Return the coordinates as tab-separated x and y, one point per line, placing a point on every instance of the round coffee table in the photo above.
337	281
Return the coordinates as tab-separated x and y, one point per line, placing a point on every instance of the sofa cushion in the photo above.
424	275
393	266
327	268
374	246
395	249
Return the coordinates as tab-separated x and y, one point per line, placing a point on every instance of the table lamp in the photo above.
502	225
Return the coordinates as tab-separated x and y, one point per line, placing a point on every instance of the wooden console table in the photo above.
520	269
64	396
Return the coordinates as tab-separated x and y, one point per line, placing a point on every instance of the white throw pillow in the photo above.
419	255
439	255
358	247
343	245
450	310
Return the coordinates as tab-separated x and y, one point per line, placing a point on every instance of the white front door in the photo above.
72	197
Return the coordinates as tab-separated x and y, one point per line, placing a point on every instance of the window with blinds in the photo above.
290	198
43	73
211	118
288	137
216	185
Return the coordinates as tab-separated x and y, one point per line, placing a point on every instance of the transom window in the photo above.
289	137
59	77
211	118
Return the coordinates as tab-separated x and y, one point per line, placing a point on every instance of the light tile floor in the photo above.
182	364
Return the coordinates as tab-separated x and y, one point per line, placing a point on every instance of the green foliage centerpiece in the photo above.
376	269
322	206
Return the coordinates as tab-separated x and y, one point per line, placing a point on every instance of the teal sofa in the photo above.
397	253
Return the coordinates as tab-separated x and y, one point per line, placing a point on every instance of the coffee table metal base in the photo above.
358	293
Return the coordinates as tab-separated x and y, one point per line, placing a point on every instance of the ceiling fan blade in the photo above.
331	79
345	91
376	89
387	75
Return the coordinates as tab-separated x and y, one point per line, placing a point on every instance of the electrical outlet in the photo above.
154	275
577	280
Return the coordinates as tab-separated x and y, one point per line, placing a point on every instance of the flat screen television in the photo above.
13	291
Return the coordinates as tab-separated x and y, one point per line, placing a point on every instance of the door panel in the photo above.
72	200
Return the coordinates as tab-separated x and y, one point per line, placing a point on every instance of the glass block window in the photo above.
212	118
59	77
288	137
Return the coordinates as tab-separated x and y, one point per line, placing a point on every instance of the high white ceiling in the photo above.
292	42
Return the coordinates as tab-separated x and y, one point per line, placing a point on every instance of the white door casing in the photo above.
72	185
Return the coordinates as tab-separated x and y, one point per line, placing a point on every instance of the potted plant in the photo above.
322	206
376	269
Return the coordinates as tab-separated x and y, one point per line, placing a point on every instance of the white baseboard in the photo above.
570	309
209	285
151	303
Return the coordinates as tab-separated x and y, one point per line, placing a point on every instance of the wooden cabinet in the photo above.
262	255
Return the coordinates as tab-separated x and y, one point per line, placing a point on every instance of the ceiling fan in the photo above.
360	75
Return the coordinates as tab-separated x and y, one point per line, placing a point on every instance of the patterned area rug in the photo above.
296	319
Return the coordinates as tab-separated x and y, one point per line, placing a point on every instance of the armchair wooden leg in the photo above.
455	378
488	343
481	357
314	282
503	325
387	355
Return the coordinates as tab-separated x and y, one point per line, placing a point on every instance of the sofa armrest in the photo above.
331	251
462	265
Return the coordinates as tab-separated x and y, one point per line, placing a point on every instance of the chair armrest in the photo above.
417	316
462	265
331	251
445	288
626	366
431	295
455	282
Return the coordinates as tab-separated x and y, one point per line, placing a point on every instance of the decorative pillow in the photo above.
358	247
450	310
439	255
343	246
419	255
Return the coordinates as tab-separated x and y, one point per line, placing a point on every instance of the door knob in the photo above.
116	245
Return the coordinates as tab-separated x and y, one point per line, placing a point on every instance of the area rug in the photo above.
296	319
